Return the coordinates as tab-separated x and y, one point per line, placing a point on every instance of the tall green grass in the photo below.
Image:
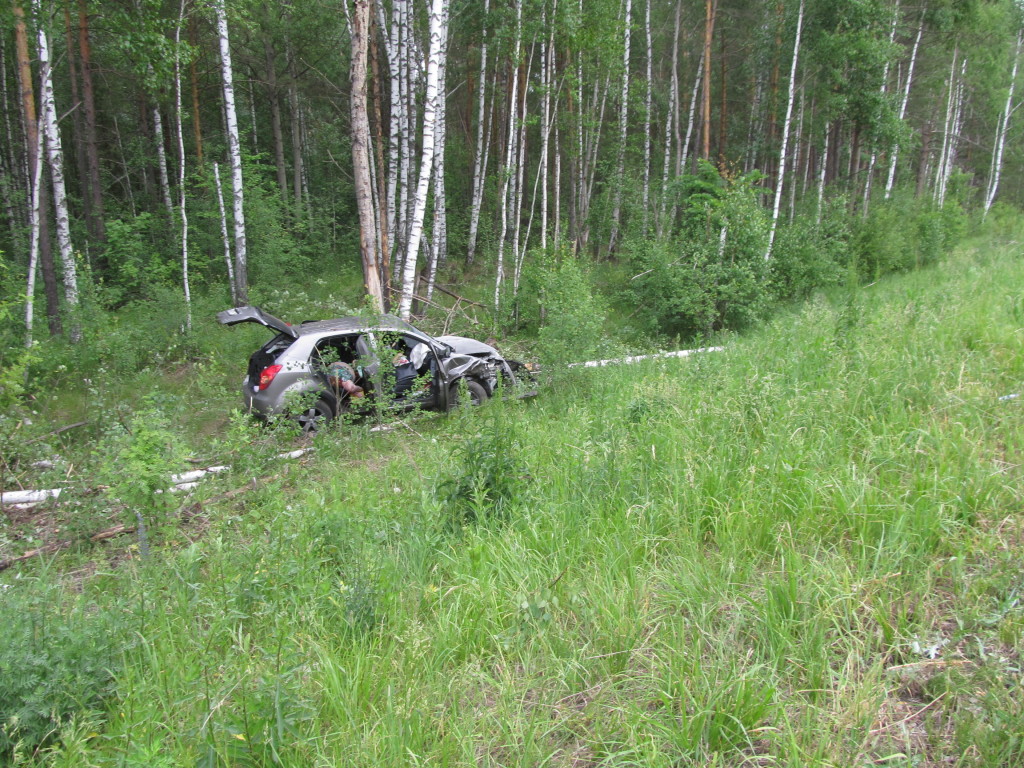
801	551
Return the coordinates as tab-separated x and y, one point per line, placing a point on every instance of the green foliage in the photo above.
809	257
557	299
138	459
712	275
56	663
488	476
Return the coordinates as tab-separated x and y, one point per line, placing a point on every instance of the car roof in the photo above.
356	323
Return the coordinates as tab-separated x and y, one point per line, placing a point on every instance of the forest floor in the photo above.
803	550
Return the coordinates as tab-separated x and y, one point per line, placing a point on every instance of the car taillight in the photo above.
267	375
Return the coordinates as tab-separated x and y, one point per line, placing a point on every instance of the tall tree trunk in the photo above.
33	147
161	160
186	288
234	153
361	155
648	98
509	157
94	187
482	147
437	35
785	131
56	157
383	251
439	232
34	228
197	128
1004	125
821	175
884	89
710	11
295	111
225	240
894	155
274	98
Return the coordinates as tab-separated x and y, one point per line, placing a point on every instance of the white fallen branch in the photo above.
638	358
29	497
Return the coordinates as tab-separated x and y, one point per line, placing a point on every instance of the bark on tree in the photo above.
508	170
482	147
33	142
93	185
274	100
710	11
56	158
182	211
361	154
620	162
1001	131
437	36
894	154
785	131
234	153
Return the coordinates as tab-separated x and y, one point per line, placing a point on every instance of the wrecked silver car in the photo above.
315	371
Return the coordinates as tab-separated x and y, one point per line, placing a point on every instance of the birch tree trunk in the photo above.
884	88
785	131
647	114
34	154
225	240
509	155
482	149
437	36
361	155
34	226
821	174
620	162
186	289
56	157
894	154
1001	131
235	154
439	233
161	157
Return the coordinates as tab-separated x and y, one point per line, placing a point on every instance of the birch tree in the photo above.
620	162
361	155
437	35
234	153
482	146
785	131
894	154
1001	131
55	156
186	288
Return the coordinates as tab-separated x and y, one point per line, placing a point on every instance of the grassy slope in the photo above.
802	551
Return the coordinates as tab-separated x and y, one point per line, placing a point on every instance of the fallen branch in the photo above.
56	432
637	358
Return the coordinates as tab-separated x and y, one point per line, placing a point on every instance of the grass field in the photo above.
802	551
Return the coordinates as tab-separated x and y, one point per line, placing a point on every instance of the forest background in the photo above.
695	163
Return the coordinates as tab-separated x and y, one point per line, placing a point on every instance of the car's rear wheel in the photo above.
315	417
476	391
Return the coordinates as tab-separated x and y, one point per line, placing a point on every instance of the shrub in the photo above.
54	664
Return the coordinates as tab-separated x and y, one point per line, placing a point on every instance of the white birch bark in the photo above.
546	47
225	239
480	158
509	155
798	133
186	288
34	226
620	162
672	123
785	131
437	35
161	162
894	155
884	89
954	129
55	155
939	193
234	153
647	115
685	148
821	174
1004	124
519	194
439	233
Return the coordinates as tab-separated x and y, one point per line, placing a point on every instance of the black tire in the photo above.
315	417
477	393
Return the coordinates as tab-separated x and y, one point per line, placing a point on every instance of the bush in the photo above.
808	256
54	664
713	274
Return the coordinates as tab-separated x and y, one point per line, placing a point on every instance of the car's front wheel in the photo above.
477	393
315	417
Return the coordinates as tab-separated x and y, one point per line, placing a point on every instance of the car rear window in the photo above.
267	354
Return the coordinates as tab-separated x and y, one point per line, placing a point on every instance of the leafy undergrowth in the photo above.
801	551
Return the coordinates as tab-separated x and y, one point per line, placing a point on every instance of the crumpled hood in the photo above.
465	346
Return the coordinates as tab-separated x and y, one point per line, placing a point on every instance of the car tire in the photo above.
477	393
315	417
